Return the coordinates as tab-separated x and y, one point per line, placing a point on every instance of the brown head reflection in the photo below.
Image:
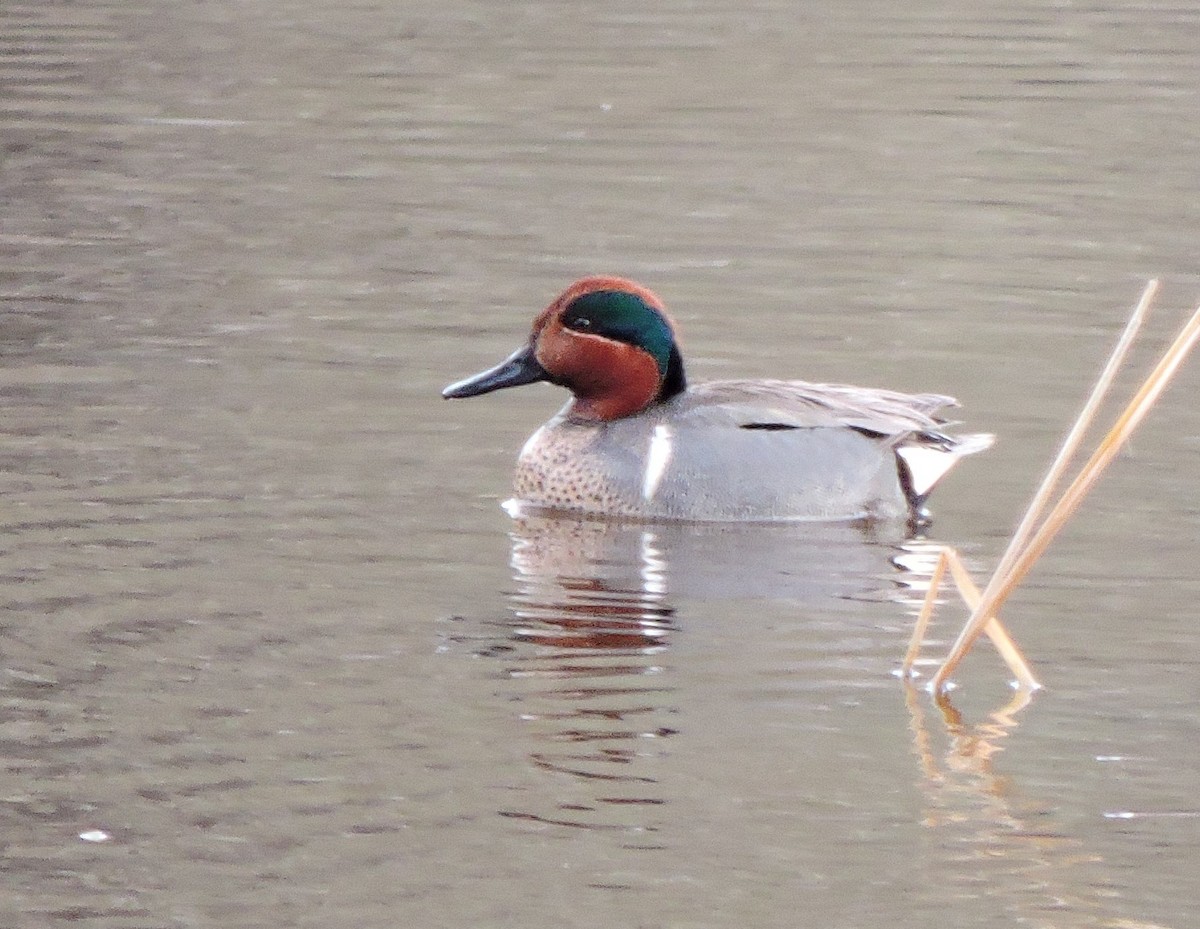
587	650
591	625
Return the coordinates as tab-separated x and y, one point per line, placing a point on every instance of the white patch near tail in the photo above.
928	464
657	459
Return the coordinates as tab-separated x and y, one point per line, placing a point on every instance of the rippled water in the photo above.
273	655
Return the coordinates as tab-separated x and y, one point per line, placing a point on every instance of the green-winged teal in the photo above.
635	440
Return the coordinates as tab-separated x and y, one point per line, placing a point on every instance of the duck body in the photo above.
635	441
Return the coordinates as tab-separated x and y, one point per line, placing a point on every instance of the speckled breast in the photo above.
660	468
564	466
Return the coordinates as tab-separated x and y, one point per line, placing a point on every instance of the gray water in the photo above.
271	653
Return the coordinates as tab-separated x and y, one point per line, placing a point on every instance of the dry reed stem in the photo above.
963	581
922	623
993	628
1075	435
1002	584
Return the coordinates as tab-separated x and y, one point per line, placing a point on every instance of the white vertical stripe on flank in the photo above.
657	459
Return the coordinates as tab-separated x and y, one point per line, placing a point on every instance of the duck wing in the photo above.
906	423
779	404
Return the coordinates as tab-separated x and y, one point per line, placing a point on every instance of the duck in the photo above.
636	440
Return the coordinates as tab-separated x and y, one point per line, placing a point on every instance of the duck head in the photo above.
606	339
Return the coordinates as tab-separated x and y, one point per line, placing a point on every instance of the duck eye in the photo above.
582	323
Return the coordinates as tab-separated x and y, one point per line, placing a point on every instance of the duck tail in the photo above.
930	456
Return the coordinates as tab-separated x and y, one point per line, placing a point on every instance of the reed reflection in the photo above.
994	841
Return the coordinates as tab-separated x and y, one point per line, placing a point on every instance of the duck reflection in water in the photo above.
595	612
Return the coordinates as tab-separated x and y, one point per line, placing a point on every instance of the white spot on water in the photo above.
513	507
1157	814
95	835
657	459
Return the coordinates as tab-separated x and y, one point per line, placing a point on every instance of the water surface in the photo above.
273	655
